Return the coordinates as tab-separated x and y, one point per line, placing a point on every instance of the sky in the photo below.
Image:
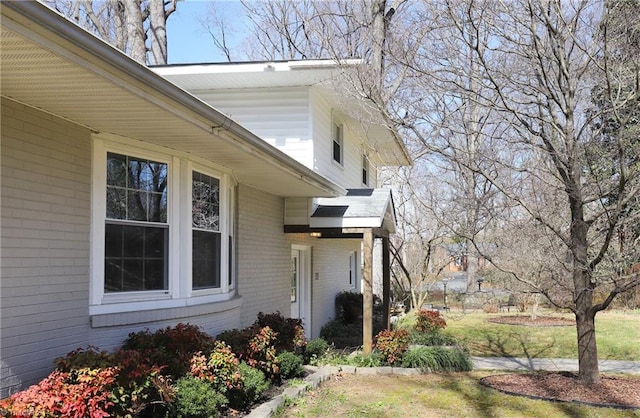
187	40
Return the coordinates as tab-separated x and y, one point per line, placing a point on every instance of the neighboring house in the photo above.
128	203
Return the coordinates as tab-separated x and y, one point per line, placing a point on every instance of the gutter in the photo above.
32	14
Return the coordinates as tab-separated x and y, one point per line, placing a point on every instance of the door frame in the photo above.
304	284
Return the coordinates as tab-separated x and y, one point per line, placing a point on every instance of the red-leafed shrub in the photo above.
262	353
392	344
429	321
289	331
77	394
171	347
220	368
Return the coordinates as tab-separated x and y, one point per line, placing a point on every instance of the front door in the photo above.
300	292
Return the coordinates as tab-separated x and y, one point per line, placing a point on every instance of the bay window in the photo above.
151	247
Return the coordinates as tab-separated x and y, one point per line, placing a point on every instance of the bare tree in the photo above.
126	24
538	65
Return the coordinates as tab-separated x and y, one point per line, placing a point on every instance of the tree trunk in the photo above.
587	349
158	32
135	31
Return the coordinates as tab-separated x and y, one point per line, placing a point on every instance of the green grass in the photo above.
430	395
617	336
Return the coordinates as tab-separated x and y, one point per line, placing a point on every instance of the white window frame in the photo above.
366	171
353	269
179	291
337	137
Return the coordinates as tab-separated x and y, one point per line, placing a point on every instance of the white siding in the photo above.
349	174
279	116
44	286
45	242
330	274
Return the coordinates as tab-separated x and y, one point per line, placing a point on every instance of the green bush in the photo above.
348	306
437	359
196	398
341	334
290	365
431	338
315	349
392	344
254	384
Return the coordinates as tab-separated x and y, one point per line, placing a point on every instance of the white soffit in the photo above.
51	64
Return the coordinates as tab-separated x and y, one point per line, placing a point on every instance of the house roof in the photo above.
49	63
327	76
360	208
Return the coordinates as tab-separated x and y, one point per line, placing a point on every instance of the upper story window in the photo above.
365	170
338	143
150	247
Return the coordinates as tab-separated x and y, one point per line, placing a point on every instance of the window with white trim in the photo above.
353	268
150	248
136	229
338	143
206	238
365	170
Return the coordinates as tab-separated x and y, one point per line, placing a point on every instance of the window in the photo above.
353	268
206	238
365	171
136	229
337	143
151	248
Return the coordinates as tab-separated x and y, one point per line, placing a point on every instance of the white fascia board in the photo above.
371	222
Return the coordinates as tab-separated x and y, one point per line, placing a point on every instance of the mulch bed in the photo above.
617	392
540	321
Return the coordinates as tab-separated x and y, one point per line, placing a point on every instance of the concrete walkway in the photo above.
512	363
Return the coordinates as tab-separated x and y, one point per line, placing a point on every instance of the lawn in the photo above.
617	335
429	395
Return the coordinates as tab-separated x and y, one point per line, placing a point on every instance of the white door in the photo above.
300	291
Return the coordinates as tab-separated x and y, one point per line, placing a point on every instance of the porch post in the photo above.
386	281
367	293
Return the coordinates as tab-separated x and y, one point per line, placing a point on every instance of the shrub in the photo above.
261	353
431	338
392	344
429	321
77	394
290	365
171	347
220	369
437	359
342	334
140	387
363	360
315	349
85	358
290	333
196	398
238	339
348	306
254	384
